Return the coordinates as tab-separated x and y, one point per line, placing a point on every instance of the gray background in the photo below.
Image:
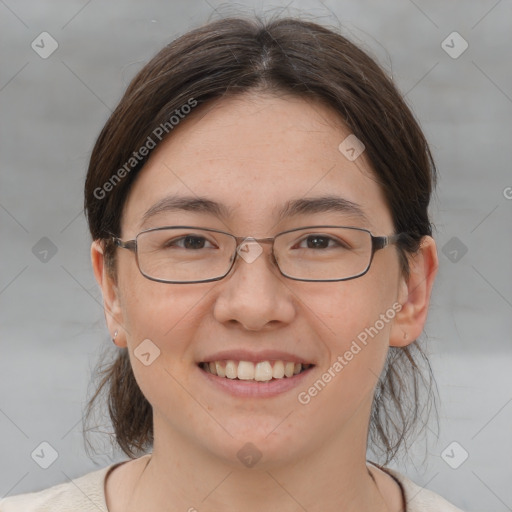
52	324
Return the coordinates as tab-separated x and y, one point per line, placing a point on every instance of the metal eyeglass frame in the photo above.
378	242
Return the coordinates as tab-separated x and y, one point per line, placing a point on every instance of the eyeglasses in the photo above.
188	254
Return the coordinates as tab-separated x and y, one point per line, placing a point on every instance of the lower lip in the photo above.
255	389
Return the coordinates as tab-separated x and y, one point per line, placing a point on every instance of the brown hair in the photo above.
233	56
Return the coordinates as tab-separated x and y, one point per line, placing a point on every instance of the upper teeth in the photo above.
247	370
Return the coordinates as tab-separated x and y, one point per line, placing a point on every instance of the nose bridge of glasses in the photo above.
250	248
240	239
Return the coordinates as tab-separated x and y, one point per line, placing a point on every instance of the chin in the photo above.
258	444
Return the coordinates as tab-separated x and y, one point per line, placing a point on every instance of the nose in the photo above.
254	294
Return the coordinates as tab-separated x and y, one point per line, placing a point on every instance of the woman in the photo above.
258	207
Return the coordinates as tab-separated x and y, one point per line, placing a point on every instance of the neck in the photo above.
180	476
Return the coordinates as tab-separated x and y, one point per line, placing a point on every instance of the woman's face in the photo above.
253	155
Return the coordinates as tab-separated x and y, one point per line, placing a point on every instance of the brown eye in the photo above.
187	242
317	241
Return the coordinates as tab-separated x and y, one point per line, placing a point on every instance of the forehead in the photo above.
256	155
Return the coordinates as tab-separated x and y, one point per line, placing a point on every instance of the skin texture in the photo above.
253	153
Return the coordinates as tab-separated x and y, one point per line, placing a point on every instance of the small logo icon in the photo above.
44	455
454	249
507	192
454	45
146	352
454	455
249	249
249	455
44	250
44	45
351	147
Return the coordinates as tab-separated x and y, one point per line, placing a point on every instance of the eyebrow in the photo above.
186	203
302	206
321	204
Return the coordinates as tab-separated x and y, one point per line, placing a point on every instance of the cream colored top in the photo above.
87	494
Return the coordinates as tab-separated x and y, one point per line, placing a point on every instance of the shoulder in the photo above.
420	499
85	493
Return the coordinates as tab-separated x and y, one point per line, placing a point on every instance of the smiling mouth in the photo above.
263	371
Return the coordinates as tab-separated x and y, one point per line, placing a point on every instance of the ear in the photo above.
414	294
111	302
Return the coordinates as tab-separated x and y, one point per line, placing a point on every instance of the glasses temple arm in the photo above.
129	244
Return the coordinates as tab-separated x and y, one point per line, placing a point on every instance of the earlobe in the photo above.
109	290
414	294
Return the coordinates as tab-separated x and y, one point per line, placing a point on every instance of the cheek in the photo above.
354	321
355	330
360	340
350	307
158	311
161	319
